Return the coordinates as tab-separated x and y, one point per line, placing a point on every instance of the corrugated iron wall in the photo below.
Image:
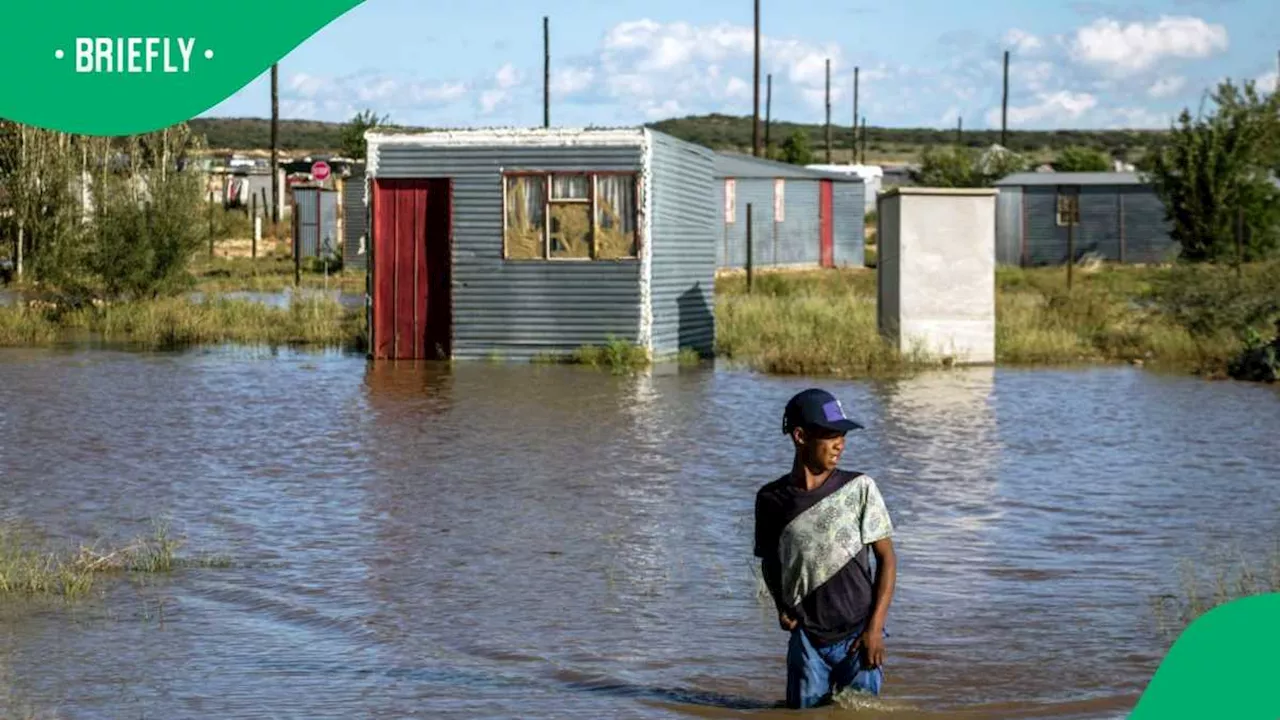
1009	226
684	247
1147	236
519	309
315	221
355	253
794	241
1144	231
849	238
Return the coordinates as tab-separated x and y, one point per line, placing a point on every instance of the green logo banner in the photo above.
123	67
1226	664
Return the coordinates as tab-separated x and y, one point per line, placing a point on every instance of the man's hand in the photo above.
871	641
787	622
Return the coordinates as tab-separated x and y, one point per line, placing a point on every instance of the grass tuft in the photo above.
1200	590
30	567
170	323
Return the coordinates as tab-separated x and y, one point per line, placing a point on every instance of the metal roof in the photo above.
735	165
1071	178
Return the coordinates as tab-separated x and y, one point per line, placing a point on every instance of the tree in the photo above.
963	167
796	150
1214	176
353	143
1082	159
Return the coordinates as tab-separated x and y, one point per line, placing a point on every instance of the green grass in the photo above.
178	322
273	273
616	355
824	322
810	323
31	567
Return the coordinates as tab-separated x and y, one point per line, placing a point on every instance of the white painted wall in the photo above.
936	272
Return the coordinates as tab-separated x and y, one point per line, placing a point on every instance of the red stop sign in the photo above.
320	171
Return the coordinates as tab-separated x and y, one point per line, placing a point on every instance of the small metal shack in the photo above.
800	217
355	225
521	242
1115	215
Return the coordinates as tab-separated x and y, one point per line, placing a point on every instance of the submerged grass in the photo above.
31	567
179	322
1199	591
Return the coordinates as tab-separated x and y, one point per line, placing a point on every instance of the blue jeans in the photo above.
815	674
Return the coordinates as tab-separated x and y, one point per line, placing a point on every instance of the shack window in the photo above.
526	204
1068	207
585	216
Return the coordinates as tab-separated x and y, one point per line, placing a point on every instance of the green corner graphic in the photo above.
120	68
1226	664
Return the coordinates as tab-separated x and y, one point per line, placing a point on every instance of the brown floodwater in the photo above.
517	541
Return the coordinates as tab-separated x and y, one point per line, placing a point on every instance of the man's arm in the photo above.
770	566
772	571
872	639
886	579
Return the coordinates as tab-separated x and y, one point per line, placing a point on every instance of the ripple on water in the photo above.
535	541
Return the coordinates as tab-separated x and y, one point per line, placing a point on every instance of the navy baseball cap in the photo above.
816	408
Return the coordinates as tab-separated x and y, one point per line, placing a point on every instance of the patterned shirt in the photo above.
817	544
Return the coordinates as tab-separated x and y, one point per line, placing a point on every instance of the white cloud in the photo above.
1267	82
669	108
648	63
1057	109
339	97
571	80
1136	46
505	81
1022	41
508	77
1167	86
738	89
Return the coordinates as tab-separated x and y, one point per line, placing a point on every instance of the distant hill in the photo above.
725	132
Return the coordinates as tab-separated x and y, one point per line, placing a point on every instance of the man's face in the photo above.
821	448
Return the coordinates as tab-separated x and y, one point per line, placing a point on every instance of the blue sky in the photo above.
1076	64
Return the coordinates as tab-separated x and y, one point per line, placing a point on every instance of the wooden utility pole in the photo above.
755	88
750	254
1004	105
853	159
275	143
546	71
768	110
828	111
863	161
959	129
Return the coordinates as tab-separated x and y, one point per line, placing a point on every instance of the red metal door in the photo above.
827	247
412	307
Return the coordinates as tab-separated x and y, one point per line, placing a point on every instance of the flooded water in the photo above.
515	541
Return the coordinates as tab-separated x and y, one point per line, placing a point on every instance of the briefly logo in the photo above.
134	54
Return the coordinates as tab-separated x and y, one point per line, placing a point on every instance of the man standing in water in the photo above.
815	529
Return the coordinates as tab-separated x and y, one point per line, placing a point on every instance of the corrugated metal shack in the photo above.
521	242
801	217
1117	217
355	223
